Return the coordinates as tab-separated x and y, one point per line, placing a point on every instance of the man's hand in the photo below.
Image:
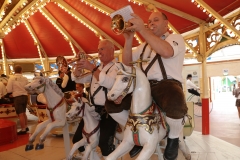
137	23
85	64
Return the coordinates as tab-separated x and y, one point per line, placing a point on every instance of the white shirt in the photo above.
105	80
16	84
173	65
190	85
3	90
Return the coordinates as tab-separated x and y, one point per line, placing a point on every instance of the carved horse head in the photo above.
79	109
39	85
124	84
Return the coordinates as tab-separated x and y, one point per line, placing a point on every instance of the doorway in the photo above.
222	87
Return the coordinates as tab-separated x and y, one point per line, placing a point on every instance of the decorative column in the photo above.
205	95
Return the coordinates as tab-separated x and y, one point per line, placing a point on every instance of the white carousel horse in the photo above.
91	130
56	108
145	125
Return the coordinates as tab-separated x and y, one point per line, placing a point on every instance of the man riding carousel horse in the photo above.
164	71
101	79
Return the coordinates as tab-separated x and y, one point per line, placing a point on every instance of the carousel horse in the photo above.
56	109
146	124
91	130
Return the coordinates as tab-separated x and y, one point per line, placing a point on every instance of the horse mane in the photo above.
52	84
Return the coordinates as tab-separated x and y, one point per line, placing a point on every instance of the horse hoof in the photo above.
29	147
39	146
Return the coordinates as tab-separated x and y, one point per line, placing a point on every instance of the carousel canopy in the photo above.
48	28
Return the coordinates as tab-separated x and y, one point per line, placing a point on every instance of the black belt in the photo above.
155	82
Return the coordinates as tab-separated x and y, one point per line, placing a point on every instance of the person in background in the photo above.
233	89
59	80
4	79
236	92
78	134
191	87
68	84
15	86
165	53
3	92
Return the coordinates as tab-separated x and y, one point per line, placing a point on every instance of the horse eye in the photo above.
78	108
40	81
125	79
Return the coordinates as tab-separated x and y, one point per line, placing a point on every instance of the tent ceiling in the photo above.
69	34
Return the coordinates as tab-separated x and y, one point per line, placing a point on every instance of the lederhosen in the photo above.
107	124
167	93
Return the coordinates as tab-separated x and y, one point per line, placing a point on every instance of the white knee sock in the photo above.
120	117
176	127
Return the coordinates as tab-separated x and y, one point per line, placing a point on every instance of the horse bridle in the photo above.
40	86
82	109
132	80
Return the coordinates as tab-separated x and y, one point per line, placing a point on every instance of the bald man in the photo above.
164	71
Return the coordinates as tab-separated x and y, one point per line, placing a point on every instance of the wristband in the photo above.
94	69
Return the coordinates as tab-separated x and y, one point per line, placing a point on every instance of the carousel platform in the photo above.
8	131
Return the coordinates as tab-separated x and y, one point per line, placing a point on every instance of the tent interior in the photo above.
35	32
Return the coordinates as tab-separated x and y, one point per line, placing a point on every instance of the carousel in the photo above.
43	35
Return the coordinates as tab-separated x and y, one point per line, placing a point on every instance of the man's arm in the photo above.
127	50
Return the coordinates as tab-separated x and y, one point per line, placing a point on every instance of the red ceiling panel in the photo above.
19	44
51	39
80	33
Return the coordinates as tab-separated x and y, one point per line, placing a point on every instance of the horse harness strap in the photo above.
82	109
125	91
88	135
52	109
42	85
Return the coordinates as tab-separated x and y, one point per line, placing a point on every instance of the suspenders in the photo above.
157	57
98	89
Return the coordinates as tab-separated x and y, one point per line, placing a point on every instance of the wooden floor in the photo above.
223	143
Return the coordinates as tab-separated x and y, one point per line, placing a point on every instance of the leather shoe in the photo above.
27	129
171	151
135	150
21	132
